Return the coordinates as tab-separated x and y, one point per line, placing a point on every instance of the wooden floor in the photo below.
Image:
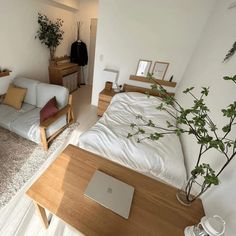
18	218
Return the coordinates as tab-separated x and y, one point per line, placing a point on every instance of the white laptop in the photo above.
110	193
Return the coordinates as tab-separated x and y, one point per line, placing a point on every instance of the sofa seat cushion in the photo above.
27	125
9	114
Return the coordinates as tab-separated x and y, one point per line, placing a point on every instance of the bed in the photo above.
162	160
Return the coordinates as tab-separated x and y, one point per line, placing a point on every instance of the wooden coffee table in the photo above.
154	211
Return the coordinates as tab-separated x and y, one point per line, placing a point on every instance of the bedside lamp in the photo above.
117	73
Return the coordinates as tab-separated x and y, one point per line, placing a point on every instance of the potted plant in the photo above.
50	33
195	121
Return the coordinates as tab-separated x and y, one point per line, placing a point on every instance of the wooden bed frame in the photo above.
153	80
132	88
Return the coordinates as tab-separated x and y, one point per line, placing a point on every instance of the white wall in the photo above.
20	51
163	30
87	9
206	69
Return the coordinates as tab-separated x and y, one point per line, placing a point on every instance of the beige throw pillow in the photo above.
15	96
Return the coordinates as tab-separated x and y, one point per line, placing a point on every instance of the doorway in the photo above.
92	47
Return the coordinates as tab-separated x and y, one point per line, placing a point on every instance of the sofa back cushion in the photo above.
47	91
30	85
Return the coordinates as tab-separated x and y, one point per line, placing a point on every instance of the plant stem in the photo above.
230	124
230	159
199	155
170	114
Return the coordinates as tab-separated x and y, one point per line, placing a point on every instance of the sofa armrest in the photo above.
45	124
68	111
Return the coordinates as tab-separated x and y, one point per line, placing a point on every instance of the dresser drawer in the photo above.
69	71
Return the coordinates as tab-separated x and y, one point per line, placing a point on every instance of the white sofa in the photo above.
26	121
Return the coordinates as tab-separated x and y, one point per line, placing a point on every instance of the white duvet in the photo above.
162	159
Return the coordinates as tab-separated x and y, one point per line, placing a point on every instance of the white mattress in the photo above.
162	159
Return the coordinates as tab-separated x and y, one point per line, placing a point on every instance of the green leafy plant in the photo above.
230	52
195	121
50	33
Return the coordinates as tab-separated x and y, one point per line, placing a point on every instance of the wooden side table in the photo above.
104	100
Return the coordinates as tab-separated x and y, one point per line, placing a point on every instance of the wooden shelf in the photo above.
2	74
146	80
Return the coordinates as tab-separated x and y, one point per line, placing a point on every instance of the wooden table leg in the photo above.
42	214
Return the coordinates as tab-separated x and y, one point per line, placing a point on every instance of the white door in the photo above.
93	34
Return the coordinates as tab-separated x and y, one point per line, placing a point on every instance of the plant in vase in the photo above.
195	121
50	33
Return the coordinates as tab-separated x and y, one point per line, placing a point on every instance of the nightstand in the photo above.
104	100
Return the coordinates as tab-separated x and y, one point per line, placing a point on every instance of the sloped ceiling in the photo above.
70	5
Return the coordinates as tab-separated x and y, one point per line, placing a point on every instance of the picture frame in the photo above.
159	70
143	68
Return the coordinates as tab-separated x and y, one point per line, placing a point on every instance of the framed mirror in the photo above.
143	68
159	69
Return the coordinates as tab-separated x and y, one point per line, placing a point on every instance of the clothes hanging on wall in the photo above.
79	53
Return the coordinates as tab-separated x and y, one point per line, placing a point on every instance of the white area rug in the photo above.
21	159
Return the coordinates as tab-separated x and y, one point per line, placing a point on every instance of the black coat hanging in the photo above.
79	52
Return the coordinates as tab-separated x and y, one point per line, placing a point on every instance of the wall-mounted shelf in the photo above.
6	73
147	80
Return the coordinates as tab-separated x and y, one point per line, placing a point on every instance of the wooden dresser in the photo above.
104	100
61	71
